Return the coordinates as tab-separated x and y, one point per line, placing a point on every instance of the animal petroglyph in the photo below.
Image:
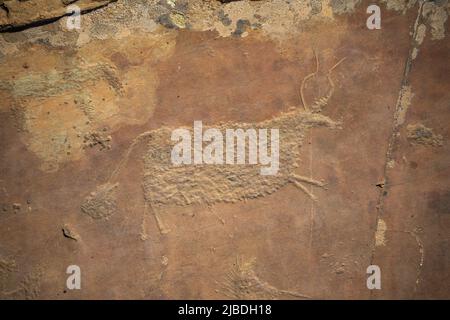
165	184
242	282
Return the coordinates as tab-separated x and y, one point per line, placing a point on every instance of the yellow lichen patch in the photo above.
436	16
399	5
30	61
278	19
327	10
421	31
380	239
105	84
403	103
419	134
98	103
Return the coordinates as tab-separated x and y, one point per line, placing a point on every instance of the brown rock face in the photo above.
86	171
22	13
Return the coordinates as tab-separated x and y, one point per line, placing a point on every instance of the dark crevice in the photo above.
4	7
43	22
34	24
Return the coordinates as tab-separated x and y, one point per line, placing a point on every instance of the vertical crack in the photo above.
396	125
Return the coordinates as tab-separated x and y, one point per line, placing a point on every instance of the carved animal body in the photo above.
167	185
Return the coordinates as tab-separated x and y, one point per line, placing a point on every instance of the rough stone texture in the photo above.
86	116
16	14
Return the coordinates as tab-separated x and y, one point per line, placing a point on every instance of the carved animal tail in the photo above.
127	154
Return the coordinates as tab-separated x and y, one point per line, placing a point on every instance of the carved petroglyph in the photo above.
321	102
101	204
242	282
167	185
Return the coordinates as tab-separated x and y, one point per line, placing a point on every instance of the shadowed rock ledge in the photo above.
20	14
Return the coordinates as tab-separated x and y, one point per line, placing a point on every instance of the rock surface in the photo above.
85	121
16	14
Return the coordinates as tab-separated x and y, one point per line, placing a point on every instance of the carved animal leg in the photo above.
308	180
297	180
303	188
144	235
162	228
294	294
